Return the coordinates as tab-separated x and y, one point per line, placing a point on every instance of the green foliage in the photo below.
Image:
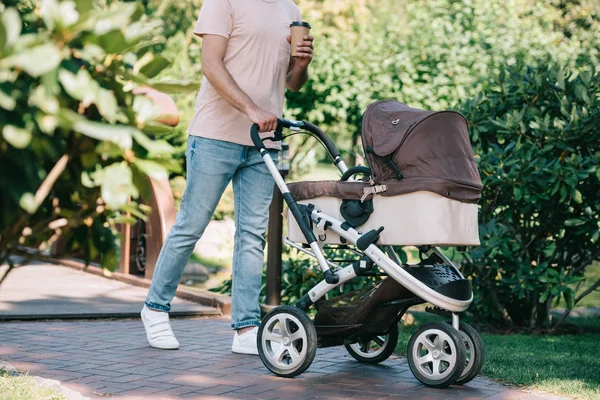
429	54
537	135
300	273
76	143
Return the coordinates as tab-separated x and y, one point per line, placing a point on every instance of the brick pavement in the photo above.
112	359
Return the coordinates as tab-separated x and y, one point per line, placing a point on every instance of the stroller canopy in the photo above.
409	150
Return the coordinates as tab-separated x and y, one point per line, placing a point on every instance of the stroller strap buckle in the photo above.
372	190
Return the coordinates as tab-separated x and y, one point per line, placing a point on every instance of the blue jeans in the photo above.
211	165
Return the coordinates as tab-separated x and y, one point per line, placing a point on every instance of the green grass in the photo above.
24	387
564	365
567	364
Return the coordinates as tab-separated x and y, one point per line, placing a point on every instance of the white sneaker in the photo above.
158	329
246	343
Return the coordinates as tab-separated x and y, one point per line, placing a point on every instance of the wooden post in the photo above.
275	247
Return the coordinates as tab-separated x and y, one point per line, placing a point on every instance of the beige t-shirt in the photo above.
257	57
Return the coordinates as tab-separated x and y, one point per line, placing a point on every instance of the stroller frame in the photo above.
387	260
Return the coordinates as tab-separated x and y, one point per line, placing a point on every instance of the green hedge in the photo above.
536	133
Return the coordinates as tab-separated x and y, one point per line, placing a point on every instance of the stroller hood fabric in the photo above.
430	149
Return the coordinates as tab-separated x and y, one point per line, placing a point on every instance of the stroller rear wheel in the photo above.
375	349
474	346
287	341
436	354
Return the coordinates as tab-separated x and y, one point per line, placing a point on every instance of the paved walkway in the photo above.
39	291
112	359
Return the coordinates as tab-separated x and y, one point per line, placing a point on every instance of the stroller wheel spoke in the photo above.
380	340
279	353
293	352
283	326
272	336
429	344
296	336
446	357
436	368
425	359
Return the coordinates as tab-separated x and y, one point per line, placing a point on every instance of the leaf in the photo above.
3	38
112	42
115	18
102	237
27	203
118	134
80	87
109	260
107	105
36	61
175	86
568	295
145	109
7	102
154	147
576	196
574	222
12	25
142	183
156	128
17	137
84	6
155	66
151	168
117	185
517	193
109	149
124	219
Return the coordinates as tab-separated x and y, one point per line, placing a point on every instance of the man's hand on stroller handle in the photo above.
265	120
307	126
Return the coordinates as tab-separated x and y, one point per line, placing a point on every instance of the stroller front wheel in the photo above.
287	341
375	349
475	354
436	354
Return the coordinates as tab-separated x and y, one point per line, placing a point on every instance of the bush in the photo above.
76	143
300	273
537	135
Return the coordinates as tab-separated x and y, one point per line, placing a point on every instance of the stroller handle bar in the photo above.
307	126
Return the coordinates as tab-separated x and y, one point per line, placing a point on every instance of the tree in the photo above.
76	144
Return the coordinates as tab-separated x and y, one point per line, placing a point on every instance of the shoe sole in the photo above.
148	338
242	351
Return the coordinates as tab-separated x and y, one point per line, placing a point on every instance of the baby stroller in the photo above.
420	189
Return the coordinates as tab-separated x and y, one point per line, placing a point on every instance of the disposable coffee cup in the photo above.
298	29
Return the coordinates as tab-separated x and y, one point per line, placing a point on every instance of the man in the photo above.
247	66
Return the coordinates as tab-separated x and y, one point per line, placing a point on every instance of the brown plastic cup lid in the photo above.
300	23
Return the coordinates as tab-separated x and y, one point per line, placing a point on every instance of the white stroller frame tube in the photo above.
279	181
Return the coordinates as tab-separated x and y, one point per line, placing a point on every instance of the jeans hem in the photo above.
158	307
244	324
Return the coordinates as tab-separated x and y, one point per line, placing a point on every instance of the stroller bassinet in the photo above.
424	181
